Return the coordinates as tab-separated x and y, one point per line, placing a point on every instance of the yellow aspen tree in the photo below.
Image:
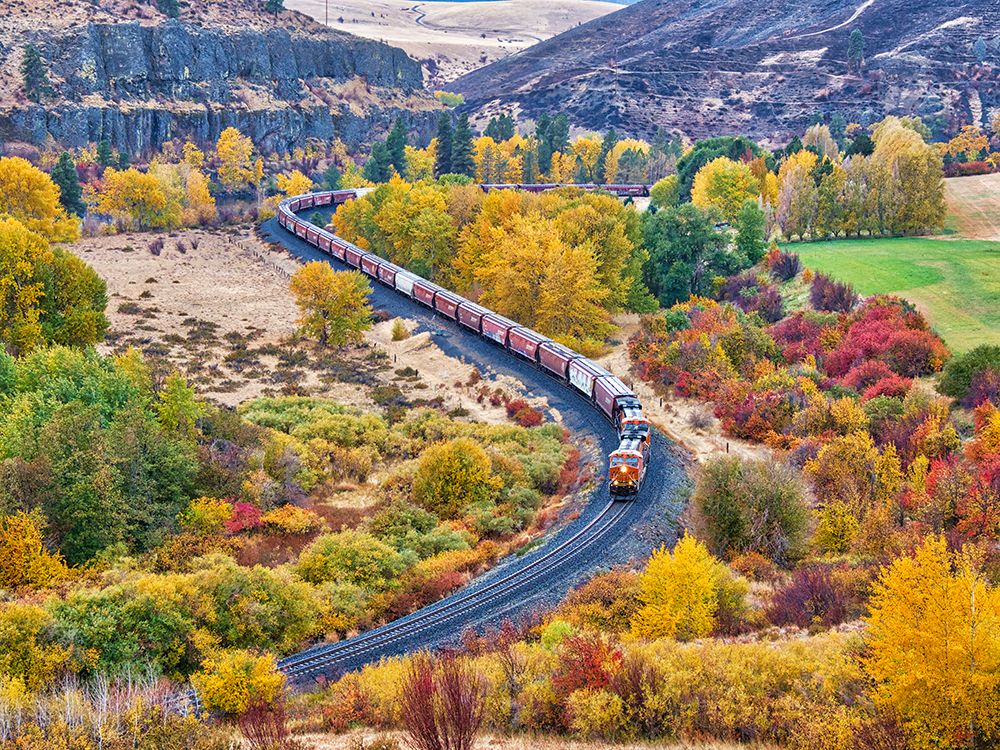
22	256
199	203
193	156
333	306
294	183
24	561
236	168
30	196
679	592
726	185
933	647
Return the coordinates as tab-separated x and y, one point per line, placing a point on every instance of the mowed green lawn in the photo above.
955	283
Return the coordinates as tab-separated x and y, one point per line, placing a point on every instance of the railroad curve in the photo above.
605	533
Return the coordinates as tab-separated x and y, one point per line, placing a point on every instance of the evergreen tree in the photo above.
36	78
378	164
610	139
104	156
980	50
500	128
750	232
331	176
396	146
124	160
169	8
65	177
856	50
445	139
542	128
274	6
461	149
794	146
530	170
863	145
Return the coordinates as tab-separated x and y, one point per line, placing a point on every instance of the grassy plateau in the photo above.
955	283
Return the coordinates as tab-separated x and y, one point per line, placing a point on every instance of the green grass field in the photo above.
955	283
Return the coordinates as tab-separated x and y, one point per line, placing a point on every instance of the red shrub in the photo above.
967	169
784	266
984	388
442	708
893	386
588	661
801	334
866	374
245	517
264	726
529	417
515	405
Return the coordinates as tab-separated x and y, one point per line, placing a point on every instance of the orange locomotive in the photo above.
628	463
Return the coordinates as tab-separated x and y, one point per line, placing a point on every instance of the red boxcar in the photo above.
497	327
424	291
471	315
607	391
387	274
555	358
338	249
353	256
370	264
323	199
447	304
306	202
525	342
300	229
312	236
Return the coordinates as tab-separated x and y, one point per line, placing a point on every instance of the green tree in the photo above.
732	147
331	177
500	128
352	557
34	74
445	141
333	305
856	49
462	149
274	6
105	156
395	146
685	252
66	179
607	145
379	164
75	297
454	475
750	238
169	8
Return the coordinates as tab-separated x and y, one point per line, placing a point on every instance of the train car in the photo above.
471	315
609	395
447	304
325	240
525	342
497	328
352	255
583	374
424	292
387	274
630	417
338	249
370	265
300	229
627	465
324	199
556	358
312	235
405	282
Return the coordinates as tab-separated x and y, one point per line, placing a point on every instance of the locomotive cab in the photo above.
627	465
631	419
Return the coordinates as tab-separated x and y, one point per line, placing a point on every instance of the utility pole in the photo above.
327	4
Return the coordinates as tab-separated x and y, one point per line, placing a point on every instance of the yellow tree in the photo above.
333	306
798	196
22	257
232	680
138	200
24	561
295	183
679	592
933	647
199	203
587	149
193	156
237	168
420	162
613	158
453	475
969	142
725	184
30	196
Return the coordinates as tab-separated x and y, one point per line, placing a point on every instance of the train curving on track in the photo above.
629	463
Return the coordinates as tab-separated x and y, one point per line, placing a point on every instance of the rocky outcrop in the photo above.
138	85
767	69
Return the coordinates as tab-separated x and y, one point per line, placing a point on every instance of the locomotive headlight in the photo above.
623	470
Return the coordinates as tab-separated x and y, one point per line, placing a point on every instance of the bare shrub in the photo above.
264	727
195	242
700	418
182	247
156	246
442	704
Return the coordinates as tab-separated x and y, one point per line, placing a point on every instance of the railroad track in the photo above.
321	659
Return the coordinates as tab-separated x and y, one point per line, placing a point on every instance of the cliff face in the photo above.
139	84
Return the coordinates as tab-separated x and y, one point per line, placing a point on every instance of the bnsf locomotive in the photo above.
627	464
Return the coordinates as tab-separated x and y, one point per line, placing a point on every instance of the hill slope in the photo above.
124	72
762	67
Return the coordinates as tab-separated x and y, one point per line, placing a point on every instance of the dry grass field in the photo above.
216	306
974	206
452	38
357	739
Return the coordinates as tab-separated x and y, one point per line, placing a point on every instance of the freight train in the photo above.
628	464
